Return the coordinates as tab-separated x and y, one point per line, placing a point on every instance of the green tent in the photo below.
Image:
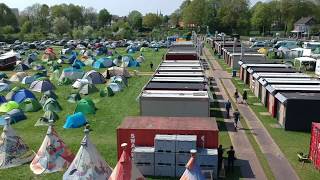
55	75
52	105
51	94
6	107
86	106
74	97
102	93
30	105
46	117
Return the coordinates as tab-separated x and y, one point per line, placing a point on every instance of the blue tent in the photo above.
21	95
72	58
101	50
133	63
75	121
78	62
15	115
2	99
103	63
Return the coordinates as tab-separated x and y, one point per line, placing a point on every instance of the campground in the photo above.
110	113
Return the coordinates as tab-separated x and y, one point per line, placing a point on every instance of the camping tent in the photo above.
12	92
193	171
74	97
314	151
49	55
79	83
46	117
75	120
21	67
86	106
4	87
102	63
16	115
41	86
115	87
2	99
8	106
120	80
46	96
71	73
53	155
13	151
21	95
89	61
39	68
140	59
94	77
51	94
28	80
125	168
51	105
117	71
30	105
3	75
17	77
88	89
88	163
55	75
78	63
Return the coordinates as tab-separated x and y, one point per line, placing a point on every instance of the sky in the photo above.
117	7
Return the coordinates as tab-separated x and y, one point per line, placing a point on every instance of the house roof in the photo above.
284	96
304	20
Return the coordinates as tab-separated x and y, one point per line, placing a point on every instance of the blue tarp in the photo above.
75	121
21	95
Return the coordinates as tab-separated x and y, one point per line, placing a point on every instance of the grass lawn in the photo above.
289	142
110	113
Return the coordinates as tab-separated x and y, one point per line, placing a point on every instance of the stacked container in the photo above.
165	146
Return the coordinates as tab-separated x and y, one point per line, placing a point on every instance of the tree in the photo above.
135	20
26	27
8	29
175	18
104	17
151	20
61	25
87	31
90	17
195	13
262	17
74	15
7	17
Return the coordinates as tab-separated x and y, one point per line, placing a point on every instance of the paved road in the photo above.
278	163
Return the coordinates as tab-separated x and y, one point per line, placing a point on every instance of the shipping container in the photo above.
179	74
176	86
314	152
180	69
141	131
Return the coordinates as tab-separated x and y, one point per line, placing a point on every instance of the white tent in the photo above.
88	163
53	155
79	83
125	168
117	71
13	151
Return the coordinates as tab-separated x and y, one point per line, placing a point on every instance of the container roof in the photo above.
183	74
178	79
175	94
270	69
182	61
175	86
180	69
284	96
169	123
265	81
180	65
273	88
280	75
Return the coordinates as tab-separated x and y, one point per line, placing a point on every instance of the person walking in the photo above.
236	116
231	157
220	158
245	96
151	66
236	95
228	107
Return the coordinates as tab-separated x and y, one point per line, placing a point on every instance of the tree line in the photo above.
40	21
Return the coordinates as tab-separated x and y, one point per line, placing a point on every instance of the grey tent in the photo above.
88	89
94	77
41	86
46	117
52	105
74	97
21	68
28	80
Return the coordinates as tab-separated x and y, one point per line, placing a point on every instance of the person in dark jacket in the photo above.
236	95
151	66
236	116
220	157
245	96
228	107
231	157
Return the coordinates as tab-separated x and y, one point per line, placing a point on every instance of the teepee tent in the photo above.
30	105
13	151
53	155
193	171
88	89
41	86
86	106
125	168
46	117
88	163
94	77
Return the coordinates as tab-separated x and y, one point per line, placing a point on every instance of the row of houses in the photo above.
290	96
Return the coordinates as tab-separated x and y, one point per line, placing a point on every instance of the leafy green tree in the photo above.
196	13
152	20
75	15
90	17
8	29
135	19
7	17
87	31
26	27
61	25
262	17
104	17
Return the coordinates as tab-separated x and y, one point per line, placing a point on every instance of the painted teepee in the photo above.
88	163
13	151
125	168
193	171
53	154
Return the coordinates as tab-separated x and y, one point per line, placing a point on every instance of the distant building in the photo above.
15	11
303	25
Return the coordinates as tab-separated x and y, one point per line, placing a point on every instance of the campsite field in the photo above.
110	113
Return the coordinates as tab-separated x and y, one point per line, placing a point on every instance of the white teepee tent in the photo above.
193	171
88	163
13	151
53	154
125	168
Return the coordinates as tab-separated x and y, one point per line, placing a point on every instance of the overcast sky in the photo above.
118	7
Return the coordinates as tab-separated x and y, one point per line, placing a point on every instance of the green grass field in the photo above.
290	142
111	111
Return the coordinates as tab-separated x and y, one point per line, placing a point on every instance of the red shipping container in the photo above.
141	131
314	152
